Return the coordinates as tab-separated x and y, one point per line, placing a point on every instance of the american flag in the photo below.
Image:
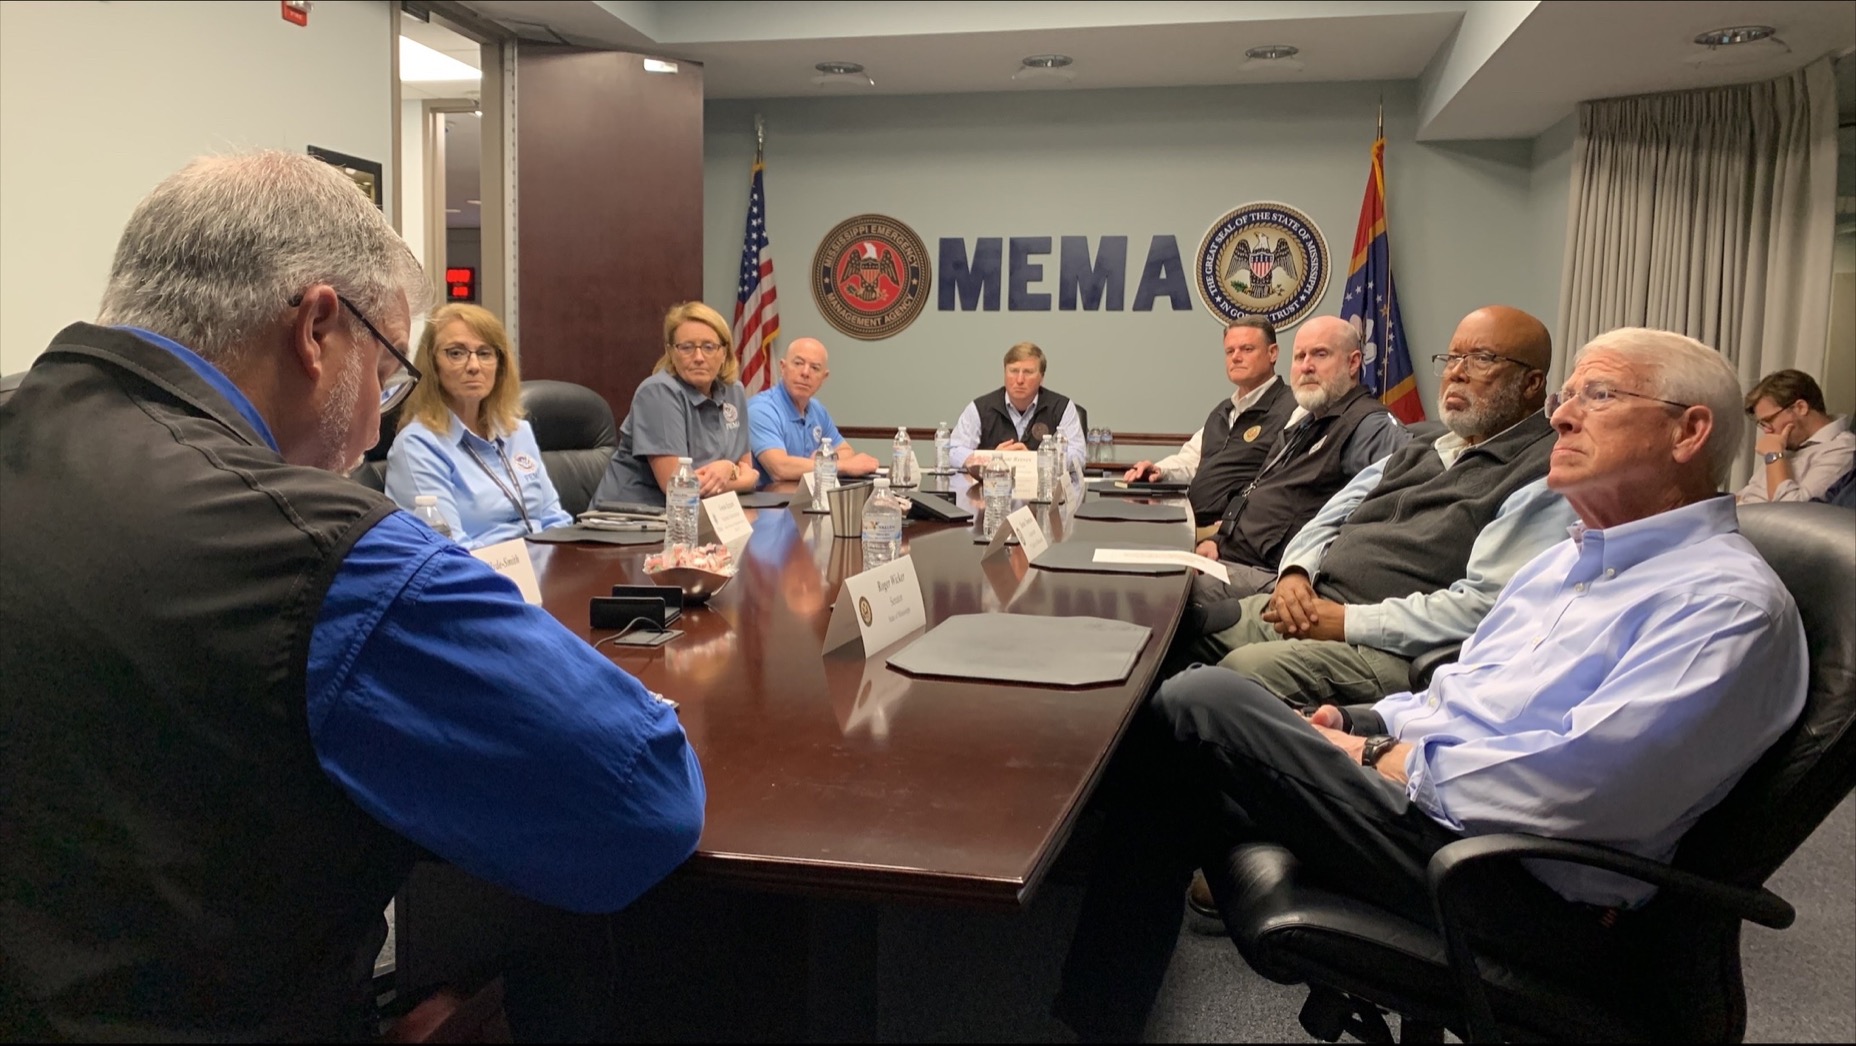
757	309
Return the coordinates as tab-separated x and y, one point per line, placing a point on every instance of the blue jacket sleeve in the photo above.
476	726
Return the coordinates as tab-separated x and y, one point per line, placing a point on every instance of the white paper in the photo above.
1024	472
726	521
1030	536
878	607
510	559
1152	555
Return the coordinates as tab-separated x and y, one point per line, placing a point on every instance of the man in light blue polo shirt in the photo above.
786	422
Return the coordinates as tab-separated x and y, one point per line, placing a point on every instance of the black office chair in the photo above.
9	383
1683	947
574	428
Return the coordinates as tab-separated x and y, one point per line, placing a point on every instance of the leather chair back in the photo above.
574	428
9	383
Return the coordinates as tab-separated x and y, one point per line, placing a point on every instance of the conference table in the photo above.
837	784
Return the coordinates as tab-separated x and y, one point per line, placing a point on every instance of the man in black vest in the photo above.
1018	415
1410	555
1224	455
244	693
1336	430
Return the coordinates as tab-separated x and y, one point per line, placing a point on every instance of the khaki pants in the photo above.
1303	672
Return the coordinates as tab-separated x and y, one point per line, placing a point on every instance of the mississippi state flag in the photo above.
757	311
1371	303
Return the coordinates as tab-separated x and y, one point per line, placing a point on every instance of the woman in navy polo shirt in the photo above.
691	407
462	438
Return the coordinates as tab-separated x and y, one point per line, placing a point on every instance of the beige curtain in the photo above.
1708	212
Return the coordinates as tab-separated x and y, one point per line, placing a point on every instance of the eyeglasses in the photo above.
691	348
1596	396
457	354
395	384
1476	364
1765	423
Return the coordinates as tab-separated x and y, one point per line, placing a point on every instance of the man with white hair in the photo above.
1620	686
244	692
787	423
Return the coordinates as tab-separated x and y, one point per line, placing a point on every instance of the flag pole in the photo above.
1381	131
760	137
1385	320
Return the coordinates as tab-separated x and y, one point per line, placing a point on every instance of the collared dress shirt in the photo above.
1823	460
477	482
1530	521
776	423
966	435
669	417
1620	686
478	727
1181	466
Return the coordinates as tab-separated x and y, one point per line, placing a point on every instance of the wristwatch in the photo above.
1376	747
1771	456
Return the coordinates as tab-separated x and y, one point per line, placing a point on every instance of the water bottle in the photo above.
1059	467
682	503
882	526
1047	469
996	483
824	468
901	460
425	507
943	438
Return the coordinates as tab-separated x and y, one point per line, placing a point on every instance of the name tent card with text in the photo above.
510	559
1022	524
1024	472
724	521
877	607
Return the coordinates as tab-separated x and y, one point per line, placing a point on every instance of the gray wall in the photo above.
1471	223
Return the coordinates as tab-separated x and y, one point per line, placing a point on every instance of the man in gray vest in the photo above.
1411	553
1336	430
244	693
1224	455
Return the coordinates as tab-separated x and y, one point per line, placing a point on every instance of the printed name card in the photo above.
510	559
877	607
1152	555
1023	525
1024	472
723	520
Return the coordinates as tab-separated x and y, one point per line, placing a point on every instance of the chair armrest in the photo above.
1427	663
1448	867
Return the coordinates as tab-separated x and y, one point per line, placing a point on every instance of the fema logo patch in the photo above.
870	276
1263	259
731	415
525	463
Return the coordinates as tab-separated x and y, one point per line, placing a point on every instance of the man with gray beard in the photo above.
1411	553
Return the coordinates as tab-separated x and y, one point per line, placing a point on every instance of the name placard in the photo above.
723	519
1024	472
510	559
1023	525
1153	555
877	607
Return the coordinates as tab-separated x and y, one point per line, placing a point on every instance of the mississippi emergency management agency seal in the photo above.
1263	259
870	276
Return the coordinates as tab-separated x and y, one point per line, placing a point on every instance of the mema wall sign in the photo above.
1262	259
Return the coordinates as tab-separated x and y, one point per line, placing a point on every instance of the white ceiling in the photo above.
1487	68
444	41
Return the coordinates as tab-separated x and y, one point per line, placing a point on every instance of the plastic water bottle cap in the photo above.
685	461
420	500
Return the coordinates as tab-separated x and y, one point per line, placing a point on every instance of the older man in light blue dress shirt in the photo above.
1617	690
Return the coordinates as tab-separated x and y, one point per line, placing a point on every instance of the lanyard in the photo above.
527	525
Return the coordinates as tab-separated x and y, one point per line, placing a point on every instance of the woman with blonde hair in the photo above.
463	439
691	407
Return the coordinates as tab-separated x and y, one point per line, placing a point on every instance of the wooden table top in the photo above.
838	775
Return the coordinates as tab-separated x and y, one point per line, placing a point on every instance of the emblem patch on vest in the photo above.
1263	259
870	276
1251	433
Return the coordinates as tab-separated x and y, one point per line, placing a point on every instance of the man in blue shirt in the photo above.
1618	688
787	422
243	692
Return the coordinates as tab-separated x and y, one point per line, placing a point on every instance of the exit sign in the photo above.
460	283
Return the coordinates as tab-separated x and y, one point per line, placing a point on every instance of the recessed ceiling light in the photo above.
1736	34
1045	67
1272	52
474	203
421	64
842	74
658	65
